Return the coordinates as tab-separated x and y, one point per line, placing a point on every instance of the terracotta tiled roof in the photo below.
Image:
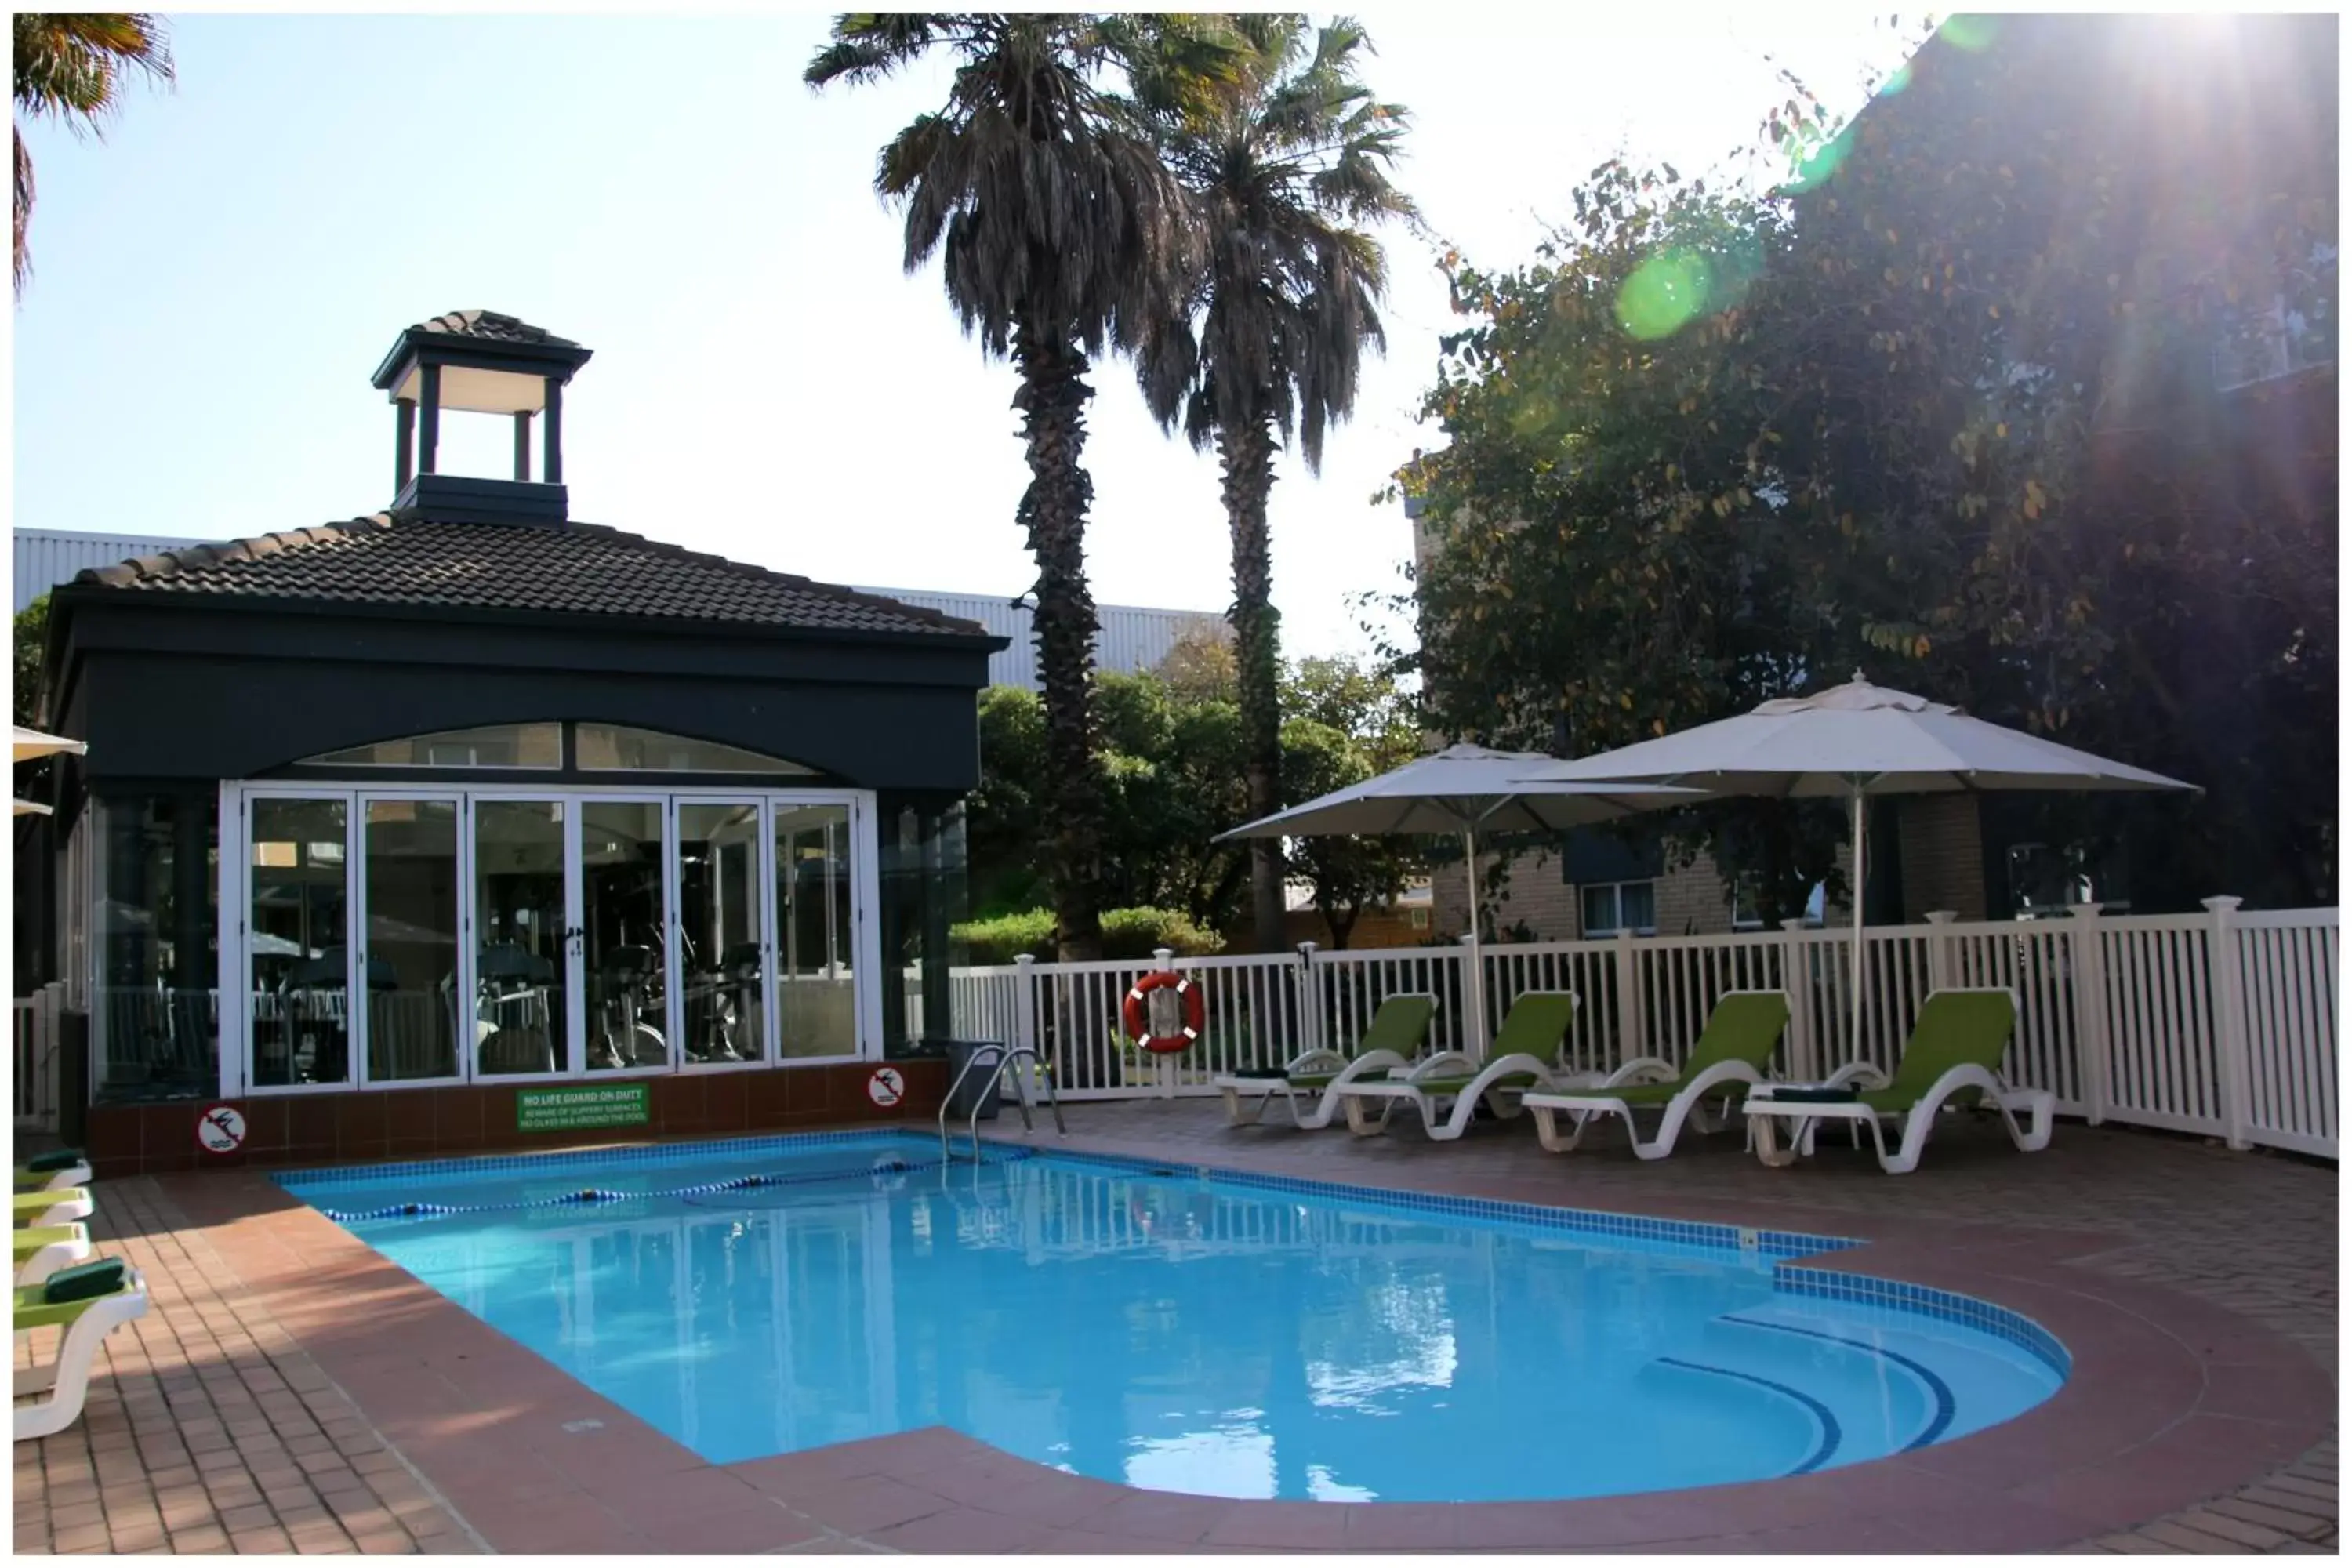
573	568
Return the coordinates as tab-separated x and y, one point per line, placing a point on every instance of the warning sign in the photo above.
220	1130
582	1106
886	1087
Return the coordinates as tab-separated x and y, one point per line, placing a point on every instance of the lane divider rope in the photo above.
892	1166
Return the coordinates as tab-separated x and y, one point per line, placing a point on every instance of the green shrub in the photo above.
1138	932
1006	937
1126	933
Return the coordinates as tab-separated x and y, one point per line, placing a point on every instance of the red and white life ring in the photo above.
1183	1029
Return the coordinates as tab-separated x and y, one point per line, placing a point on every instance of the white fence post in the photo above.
1940	950
1797	979
2094	1052
2223	964
1024	1002
1310	1008
1631	1038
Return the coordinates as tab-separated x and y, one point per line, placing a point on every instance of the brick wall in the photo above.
474	1119
1943	857
1692	896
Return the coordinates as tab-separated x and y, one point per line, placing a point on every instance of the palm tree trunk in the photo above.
1051	401
1246	456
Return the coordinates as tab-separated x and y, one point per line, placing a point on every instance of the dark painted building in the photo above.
389	826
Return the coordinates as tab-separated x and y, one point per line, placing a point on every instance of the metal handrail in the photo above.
1000	1057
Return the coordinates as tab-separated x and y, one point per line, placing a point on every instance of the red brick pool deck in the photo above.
293	1390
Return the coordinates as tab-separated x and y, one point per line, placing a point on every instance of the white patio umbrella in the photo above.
32	744
1854	742
1465	790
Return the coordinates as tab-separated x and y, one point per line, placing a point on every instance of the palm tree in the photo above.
1059	230
70	64
1288	165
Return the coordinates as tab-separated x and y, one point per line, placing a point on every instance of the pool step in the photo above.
1881	1403
1982	1381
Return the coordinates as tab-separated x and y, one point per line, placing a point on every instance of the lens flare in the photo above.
1664	294
1969	33
1813	159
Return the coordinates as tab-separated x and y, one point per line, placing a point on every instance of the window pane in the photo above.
616	748
412	938
1637	905
1599	911
819	1000
627	933
494	746
518	923
157	1030
299	977
720	941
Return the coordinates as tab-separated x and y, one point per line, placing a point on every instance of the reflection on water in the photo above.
1227	1341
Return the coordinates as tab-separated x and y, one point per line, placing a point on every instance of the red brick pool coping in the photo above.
2172	1401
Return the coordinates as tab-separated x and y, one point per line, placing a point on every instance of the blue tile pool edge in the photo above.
1781	1247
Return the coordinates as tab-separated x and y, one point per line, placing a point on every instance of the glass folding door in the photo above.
525	913
722	935
297	960
410	882
624	929
816	995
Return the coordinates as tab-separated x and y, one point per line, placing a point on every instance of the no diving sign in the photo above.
886	1087
220	1130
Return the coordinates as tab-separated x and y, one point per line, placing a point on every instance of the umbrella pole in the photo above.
1475	992
1860	979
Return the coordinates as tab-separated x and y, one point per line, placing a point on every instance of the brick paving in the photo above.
209	1428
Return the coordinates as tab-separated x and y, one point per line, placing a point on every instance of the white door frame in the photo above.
235	886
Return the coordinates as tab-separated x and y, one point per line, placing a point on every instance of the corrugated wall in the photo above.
1132	638
1129	638
44	559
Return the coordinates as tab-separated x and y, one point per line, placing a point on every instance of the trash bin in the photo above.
982	1090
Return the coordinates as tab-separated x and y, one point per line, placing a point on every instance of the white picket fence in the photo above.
36	1081
2221	1023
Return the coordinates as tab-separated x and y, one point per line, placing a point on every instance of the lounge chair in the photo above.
1733	1049
1399	1029
1447	1089
42	1250
56	1168
52	1205
1953	1058
89	1301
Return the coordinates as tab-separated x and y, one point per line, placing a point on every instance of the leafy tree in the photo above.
1171	759
1059	231
32	644
70	66
1288	165
1941	406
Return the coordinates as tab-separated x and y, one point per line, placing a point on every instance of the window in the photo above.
616	748
1613	907
492	746
155	1031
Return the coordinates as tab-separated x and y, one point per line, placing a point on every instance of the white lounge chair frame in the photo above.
1581	1105
62	1384
1446	1114
1350	1070
76	1175
62	1212
1918	1120
48	1259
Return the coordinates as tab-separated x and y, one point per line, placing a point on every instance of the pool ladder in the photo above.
998	1059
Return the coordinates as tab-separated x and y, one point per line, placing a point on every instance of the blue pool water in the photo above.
1234	1338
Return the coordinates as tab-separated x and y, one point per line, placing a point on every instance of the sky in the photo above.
216	279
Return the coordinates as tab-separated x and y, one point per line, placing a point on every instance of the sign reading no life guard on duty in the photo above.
580	1106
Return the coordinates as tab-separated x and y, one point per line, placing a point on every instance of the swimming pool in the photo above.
1186	1330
